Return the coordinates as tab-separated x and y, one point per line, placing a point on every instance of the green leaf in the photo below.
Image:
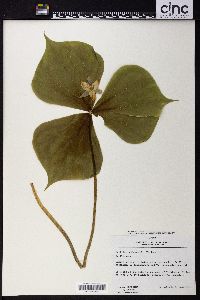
64	149
131	104
64	65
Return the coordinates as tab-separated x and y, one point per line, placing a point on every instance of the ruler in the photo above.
103	15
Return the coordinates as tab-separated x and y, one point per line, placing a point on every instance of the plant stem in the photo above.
59	227
95	195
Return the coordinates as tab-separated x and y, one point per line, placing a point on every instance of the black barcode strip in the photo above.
92	287
103	15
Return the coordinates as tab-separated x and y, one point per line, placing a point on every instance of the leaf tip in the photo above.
45	36
50	182
167	101
48	40
171	100
48	185
175	100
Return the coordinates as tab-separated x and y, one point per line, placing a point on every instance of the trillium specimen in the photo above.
69	74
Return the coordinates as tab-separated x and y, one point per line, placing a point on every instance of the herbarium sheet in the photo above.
98	158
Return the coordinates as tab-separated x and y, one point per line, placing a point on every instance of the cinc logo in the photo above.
174	9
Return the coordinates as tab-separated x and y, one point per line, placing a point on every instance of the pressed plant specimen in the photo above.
69	74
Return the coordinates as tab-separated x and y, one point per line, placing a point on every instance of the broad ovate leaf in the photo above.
63	67
64	149
131	104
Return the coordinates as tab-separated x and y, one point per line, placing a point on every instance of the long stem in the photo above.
95	196
59	227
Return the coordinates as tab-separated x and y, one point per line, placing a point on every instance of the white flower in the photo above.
90	88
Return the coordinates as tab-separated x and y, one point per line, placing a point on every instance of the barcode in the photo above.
103	15
92	287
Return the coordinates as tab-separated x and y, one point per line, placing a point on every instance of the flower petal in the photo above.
95	85
85	86
85	94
